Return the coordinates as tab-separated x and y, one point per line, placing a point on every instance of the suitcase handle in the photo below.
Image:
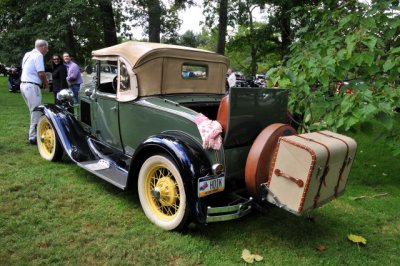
299	182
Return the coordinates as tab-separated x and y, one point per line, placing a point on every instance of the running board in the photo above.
107	171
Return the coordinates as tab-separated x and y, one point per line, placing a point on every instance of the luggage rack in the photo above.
268	196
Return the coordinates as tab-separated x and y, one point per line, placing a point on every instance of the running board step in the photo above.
107	171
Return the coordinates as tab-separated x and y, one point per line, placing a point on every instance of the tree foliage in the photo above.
357	43
272	38
189	39
64	24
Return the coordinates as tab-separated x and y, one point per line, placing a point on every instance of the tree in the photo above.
110	31
239	13
245	19
222	25
190	39
263	40
156	18
62	23
357	43
224	12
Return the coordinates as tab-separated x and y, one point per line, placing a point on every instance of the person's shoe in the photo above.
32	141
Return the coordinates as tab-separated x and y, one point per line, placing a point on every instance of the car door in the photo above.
105	106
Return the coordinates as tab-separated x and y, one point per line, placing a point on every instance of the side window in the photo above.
194	71
127	82
108	73
124	78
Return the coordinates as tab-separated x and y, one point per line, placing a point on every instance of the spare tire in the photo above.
261	154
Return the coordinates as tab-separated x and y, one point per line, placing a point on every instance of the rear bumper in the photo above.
237	208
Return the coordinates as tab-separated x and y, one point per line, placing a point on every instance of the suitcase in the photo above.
309	170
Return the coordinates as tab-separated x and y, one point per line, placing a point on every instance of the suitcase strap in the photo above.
345	162
326	169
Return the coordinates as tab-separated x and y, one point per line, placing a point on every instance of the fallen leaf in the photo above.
321	248
246	256
250	258
357	198
384	174
373	196
398	227
257	257
379	195
357	239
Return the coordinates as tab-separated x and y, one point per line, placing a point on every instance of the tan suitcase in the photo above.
309	170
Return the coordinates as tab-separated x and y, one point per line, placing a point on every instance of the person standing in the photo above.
59	76
32	77
231	78
74	77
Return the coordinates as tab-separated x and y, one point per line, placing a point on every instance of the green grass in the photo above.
56	213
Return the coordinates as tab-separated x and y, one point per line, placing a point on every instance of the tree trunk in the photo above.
222	26
110	31
253	49
69	40
154	9
285	30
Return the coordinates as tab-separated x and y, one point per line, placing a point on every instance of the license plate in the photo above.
210	185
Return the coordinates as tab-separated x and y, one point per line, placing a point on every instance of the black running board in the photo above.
107	171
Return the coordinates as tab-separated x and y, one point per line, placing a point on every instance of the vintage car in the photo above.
161	122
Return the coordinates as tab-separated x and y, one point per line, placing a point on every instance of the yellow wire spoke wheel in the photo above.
48	145
162	193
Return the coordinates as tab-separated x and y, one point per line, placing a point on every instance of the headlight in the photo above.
65	95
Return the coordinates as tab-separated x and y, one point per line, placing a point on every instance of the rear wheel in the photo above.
48	145
162	194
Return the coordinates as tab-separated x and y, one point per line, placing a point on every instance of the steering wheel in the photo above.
114	83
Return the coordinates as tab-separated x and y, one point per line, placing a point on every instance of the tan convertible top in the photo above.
138	52
158	67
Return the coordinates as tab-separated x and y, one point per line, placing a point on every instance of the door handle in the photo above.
114	108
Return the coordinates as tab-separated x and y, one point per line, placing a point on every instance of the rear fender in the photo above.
69	132
188	156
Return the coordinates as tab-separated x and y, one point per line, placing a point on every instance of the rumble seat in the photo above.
223	113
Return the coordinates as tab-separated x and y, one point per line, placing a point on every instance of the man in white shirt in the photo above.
231	78
33	76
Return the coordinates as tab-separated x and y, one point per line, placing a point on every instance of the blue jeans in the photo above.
75	89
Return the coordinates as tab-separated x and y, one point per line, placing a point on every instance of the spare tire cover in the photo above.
261	154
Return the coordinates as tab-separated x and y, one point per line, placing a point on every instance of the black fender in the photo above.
188	155
69	132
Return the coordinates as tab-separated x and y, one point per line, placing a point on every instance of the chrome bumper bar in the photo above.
230	212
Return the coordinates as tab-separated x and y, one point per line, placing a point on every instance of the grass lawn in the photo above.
57	213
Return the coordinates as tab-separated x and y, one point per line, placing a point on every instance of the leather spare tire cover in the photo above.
260	156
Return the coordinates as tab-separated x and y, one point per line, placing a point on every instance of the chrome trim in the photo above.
190	117
230	212
107	95
101	176
217	168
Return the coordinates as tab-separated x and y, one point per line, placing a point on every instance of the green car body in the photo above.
137	126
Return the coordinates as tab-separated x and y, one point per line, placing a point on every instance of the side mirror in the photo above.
89	69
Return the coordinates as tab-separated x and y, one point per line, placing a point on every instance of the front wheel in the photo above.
162	194
48	145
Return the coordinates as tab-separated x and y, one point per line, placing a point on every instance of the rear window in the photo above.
194	71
